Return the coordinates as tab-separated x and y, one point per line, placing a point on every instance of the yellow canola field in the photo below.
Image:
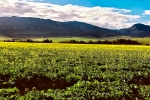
57	54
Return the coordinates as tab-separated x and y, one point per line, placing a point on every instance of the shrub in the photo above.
118	41
47	41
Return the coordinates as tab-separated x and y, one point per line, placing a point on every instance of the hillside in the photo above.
137	30
27	27
21	27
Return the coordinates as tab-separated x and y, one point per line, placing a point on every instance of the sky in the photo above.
112	14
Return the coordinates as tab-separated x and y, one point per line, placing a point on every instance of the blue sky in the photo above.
112	14
138	6
129	4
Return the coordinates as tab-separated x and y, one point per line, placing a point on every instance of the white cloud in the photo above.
146	12
147	23
99	16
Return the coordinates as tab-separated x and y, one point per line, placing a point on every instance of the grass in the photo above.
4	38
143	40
58	39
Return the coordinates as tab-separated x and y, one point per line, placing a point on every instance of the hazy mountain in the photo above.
22	27
18	27
137	30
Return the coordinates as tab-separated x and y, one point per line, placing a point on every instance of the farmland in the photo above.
145	40
74	71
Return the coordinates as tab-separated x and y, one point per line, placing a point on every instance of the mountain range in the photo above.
137	30
27	27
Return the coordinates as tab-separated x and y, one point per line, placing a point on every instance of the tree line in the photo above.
29	40
118	41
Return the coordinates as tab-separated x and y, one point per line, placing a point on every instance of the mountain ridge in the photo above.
137	30
36	27
27	27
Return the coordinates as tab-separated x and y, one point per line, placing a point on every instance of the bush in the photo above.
147	44
118	41
47	41
29	40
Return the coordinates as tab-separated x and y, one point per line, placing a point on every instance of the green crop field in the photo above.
32	71
59	39
143	40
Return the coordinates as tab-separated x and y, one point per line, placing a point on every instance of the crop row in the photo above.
74	72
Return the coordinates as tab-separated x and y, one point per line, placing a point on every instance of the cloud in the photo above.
146	12
100	16
147	23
